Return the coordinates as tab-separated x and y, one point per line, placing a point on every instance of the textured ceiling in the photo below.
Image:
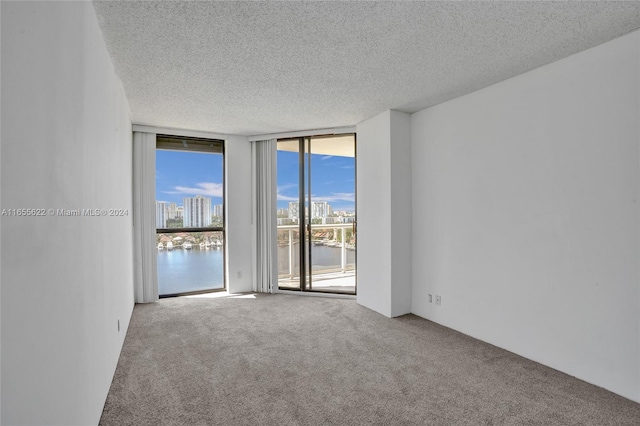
266	67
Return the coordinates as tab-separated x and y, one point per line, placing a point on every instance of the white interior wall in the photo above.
66	281
384	216
374	213
525	215
238	214
400	158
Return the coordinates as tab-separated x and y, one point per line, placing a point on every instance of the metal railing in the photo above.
335	237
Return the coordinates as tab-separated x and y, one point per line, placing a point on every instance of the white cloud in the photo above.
282	188
285	198
209	189
335	196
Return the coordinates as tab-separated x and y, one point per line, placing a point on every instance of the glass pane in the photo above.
328	209
189	194
332	213
288	216
189	189
190	261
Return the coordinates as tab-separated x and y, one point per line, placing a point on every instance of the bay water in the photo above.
182	271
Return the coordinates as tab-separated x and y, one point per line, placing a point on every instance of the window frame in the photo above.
202	145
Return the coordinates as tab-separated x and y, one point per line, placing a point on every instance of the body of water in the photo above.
181	271
322	258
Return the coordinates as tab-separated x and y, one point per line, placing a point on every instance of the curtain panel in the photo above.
265	277
144	223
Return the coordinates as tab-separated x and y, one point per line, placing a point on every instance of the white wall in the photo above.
384	216
238	203
525	215
374	214
66	281
400	201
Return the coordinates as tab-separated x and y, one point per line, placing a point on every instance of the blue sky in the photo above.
332	180
182	174
187	174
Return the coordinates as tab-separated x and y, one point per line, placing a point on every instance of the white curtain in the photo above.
144	218
265	277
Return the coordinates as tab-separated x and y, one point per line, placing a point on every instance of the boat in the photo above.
187	245
160	246
169	245
201	245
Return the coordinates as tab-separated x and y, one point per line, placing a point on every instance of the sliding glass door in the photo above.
317	214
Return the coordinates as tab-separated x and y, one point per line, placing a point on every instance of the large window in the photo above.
189	215
316	214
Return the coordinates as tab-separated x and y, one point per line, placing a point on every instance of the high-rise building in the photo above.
217	210
172	211
293	210
161	214
197	211
320	210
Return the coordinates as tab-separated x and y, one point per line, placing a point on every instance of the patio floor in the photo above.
342	282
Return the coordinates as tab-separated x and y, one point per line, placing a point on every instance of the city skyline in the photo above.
332	180
199	212
182	174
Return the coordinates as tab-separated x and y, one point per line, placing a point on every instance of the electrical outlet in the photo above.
438	300
430	299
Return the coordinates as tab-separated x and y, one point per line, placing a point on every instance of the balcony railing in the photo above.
332	255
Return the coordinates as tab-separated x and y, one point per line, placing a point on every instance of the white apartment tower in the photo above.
197	211
217	210
172	210
161	214
293	210
320	209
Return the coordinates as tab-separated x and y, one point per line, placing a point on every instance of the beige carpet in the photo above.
290	360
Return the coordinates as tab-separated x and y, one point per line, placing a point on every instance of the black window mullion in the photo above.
177	230
308	219
301	215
